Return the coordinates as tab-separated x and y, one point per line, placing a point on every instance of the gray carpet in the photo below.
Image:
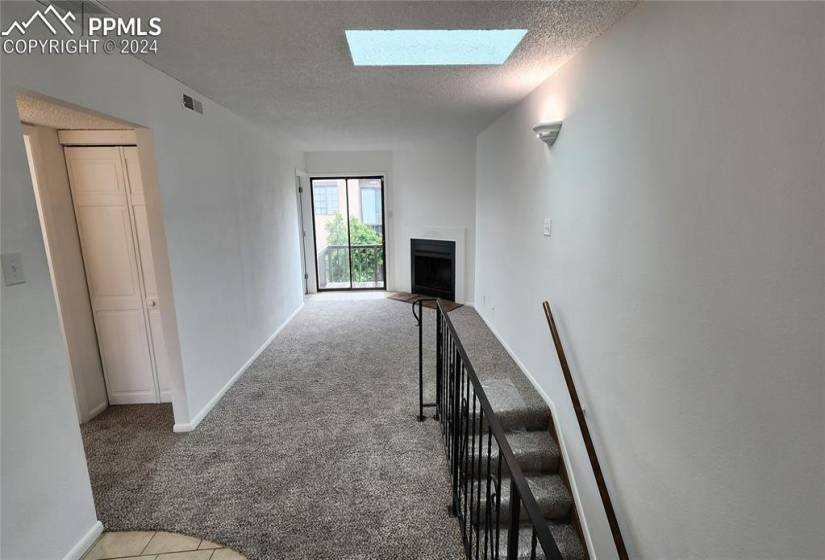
315	452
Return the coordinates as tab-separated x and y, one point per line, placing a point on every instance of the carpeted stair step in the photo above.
551	494
516	417
536	452
566	537
512	410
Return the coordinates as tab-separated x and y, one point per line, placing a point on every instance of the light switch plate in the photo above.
12	268
548	227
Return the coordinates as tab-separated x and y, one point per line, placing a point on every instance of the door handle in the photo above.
151	303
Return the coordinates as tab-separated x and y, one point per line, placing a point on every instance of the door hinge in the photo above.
300	189
306	276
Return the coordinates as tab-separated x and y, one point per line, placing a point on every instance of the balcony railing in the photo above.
366	261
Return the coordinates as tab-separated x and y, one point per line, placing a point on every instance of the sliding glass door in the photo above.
348	221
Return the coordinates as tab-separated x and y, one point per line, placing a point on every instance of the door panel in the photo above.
125	353
96	176
111	269
111	255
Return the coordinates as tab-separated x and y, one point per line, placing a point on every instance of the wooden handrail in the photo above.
588	442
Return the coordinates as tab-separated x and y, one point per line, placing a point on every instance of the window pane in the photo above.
371	206
325	193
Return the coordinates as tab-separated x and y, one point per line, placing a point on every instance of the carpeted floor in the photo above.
315	452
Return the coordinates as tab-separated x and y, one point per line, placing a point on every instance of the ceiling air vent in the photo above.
192	104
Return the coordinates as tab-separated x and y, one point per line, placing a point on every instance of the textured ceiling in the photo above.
34	110
286	64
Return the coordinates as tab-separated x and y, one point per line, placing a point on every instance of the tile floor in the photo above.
157	545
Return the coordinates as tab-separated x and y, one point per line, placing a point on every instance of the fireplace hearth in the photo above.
433	268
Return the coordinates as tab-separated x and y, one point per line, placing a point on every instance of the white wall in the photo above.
686	269
429	187
232	234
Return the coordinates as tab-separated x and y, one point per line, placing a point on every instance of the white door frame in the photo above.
300	175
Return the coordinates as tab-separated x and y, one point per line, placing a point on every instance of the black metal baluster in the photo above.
489	506
448	402
456	400
498	504
420	360
533	545
448	386
451	359
456	397
462	448
445	377
438	376
471	471
477	476
515	509
456	434
466	444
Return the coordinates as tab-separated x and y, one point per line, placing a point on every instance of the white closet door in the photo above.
108	241
150	286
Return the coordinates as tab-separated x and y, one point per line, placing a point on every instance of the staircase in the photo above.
537	452
503	457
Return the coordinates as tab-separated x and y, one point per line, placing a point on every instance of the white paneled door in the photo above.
111	218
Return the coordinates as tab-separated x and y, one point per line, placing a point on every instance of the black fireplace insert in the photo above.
433	268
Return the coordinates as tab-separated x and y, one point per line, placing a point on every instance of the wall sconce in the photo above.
548	132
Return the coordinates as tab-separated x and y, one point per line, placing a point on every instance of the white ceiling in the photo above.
286	64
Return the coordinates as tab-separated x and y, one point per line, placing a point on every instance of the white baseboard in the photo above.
192	424
98	409
85	542
573	487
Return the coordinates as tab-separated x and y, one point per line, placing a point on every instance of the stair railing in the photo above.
588	441
419	319
481	459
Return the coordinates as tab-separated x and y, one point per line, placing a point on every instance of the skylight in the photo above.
432	47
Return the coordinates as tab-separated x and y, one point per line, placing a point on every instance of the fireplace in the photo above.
433	268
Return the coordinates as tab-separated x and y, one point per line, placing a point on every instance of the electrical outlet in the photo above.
548	227
12	268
